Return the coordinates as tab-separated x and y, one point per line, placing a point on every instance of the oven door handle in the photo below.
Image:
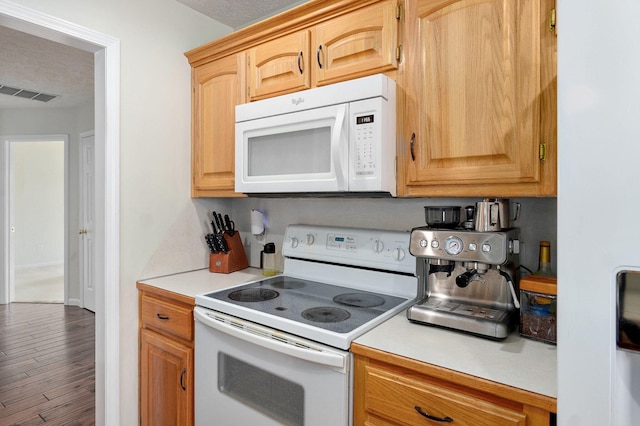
260	336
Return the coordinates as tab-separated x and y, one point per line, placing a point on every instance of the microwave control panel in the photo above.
365	141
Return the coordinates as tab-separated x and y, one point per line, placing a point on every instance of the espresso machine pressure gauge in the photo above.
453	246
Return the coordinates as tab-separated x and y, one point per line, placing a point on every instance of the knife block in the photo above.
234	260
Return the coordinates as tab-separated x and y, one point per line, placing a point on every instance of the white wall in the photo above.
38	202
155	136
598	139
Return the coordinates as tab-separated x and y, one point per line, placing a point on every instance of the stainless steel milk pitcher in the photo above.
493	214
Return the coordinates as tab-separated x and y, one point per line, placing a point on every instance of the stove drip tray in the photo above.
253	294
326	314
488	322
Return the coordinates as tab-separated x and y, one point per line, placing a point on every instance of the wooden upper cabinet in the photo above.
343	47
479	99
279	66
218	86
357	44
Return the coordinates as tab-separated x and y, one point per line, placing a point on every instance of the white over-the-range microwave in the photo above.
333	140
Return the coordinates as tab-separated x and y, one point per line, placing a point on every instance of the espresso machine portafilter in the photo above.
467	279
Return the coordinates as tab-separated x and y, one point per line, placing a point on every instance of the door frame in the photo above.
82	259
106	50
8	286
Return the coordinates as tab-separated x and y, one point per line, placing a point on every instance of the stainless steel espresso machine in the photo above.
468	269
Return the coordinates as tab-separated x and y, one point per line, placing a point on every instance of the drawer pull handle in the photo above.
162	317
434	418
184	371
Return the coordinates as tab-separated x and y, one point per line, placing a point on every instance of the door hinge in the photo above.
552	20
542	151
399	11
398	53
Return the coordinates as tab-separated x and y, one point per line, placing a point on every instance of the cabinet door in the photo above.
166	381
279	66
218	87
354	45
474	98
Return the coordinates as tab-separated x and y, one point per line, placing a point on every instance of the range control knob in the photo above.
294	242
378	246
310	239
399	254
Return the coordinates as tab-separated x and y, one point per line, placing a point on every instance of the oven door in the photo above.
247	374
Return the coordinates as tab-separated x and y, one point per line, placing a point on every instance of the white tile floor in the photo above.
40	285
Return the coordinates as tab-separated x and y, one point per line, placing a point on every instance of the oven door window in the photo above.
276	397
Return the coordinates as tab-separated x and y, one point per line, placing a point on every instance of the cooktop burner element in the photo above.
360	300
326	314
253	295
289	284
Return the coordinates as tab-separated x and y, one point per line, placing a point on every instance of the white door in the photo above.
86	215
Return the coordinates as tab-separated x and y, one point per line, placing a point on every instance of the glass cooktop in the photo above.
330	307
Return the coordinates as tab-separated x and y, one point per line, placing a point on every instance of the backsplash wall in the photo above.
537	219
184	248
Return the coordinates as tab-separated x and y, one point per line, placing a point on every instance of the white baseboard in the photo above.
39	265
74	302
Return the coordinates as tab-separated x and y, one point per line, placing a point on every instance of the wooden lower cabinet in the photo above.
392	390
166	359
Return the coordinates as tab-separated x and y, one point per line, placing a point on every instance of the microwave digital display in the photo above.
364	119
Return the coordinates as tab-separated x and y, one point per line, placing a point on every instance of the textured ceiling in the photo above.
240	13
39	65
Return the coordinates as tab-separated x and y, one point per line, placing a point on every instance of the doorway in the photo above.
38	218
106	52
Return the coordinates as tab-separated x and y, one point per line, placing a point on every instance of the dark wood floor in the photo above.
47	365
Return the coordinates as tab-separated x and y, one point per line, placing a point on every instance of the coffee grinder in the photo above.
467	277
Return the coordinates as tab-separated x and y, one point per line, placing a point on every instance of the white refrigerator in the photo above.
598	206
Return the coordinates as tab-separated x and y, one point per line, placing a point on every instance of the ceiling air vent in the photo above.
26	94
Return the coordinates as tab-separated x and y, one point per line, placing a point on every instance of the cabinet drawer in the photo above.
394	397
167	317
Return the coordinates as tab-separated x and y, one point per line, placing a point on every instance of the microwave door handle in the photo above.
336	147
325	358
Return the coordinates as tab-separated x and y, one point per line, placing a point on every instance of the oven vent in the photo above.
26	94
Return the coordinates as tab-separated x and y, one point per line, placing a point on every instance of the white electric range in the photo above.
275	351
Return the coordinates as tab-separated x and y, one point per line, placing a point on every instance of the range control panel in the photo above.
371	248
466	246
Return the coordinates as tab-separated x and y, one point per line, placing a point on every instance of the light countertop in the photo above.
514	361
202	281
